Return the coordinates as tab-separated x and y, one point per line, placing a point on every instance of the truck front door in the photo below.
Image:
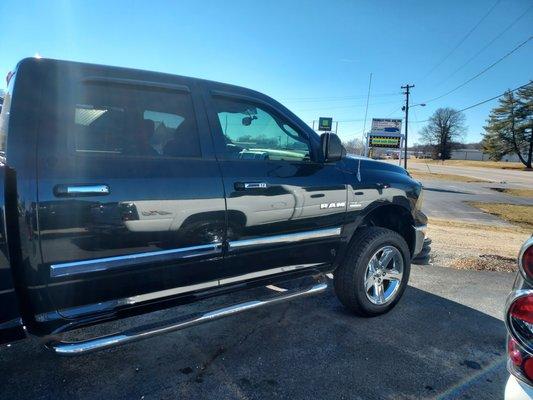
285	210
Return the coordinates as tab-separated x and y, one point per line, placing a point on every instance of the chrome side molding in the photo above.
129	260
285	238
138	333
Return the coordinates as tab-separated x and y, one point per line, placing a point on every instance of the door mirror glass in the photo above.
332	148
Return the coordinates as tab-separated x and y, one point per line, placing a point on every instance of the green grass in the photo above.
516	192
471	163
521	215
447	177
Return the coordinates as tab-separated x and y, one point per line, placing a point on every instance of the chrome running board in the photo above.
74	348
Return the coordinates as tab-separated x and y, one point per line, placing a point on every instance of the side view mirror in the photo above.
331	146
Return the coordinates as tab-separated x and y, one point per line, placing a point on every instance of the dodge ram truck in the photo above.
125	192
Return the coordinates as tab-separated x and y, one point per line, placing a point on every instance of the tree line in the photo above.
509	128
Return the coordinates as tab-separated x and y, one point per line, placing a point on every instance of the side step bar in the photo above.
144	332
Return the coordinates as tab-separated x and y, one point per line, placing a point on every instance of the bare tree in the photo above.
445	127
354	146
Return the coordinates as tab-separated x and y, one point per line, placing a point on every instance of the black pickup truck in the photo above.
127	191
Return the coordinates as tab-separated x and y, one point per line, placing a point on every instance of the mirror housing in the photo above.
331	147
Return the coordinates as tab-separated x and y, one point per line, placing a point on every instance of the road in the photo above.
445	339
445	199
513	178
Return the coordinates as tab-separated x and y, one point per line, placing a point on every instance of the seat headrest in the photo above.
147	127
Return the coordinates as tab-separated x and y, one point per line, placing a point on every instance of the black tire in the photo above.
349	277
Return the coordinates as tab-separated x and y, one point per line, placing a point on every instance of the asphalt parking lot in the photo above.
445	340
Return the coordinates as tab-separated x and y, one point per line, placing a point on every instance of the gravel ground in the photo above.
467	246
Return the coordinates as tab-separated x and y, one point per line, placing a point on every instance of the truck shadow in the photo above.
427	347
439	190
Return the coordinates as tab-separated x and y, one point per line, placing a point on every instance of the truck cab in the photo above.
127	191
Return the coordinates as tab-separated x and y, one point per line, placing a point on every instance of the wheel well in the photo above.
395	218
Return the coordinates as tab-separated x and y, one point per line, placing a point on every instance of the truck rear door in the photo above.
130	198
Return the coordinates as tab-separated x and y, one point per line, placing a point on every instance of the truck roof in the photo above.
139	73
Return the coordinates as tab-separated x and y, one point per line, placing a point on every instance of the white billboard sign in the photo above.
386	125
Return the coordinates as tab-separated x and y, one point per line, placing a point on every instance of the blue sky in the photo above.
315	56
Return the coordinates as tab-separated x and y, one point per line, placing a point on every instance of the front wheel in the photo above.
375	272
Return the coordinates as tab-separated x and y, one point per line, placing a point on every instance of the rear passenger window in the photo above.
130	121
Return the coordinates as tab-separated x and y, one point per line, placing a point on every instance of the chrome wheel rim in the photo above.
383	275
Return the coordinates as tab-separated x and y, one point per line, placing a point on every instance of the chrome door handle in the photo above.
81	190
250	185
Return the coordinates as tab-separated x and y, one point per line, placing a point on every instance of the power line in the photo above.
463	39
337	98
482	72
513	23
351	120
343	107
494	98
484	101
393	112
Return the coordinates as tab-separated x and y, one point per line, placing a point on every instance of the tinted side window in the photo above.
130	121
254	133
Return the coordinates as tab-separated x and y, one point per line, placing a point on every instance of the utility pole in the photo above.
406	109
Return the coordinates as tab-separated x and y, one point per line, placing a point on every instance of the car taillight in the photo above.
520	361
528	369
522	309
519	321
519	317
526	259
513	350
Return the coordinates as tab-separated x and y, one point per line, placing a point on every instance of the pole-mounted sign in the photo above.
386	125
325	124
389	142
385	133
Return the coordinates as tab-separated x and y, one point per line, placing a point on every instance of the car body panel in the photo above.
515	389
